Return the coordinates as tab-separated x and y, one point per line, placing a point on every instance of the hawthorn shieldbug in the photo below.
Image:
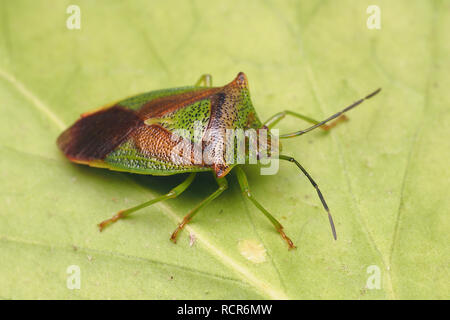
187	130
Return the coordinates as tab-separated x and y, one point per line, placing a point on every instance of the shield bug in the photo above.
187	130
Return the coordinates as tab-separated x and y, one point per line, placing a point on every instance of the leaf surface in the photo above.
384	173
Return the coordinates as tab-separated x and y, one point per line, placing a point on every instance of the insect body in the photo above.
181	130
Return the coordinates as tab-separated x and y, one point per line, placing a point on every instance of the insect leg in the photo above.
204	81
171	194
272	121
322	199
243	182
223	185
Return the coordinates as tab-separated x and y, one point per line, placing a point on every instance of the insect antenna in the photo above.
322	199
299	133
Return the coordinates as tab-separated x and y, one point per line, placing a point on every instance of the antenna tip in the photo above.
333	229
373	93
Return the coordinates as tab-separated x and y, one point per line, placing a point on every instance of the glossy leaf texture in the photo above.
384	173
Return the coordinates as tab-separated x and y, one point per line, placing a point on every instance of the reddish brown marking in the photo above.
159	143
223	113
107	222
286	238
221	170
88	113
161	106
241	80
180	227
96	135
154	140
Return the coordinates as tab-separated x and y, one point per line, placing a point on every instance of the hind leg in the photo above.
170	195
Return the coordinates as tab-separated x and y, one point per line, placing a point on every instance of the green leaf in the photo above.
384	173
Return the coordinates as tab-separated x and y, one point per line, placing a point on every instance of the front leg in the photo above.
243	182
272	121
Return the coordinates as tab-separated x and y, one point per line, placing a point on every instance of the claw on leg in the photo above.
286	238
180	227
107	222
222	182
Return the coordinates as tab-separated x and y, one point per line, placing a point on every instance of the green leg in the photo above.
204	81
335	118
223	185
243	182
272	121
171	194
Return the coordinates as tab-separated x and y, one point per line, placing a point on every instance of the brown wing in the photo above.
94	136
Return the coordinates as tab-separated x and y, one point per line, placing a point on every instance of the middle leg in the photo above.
223	185
243	182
